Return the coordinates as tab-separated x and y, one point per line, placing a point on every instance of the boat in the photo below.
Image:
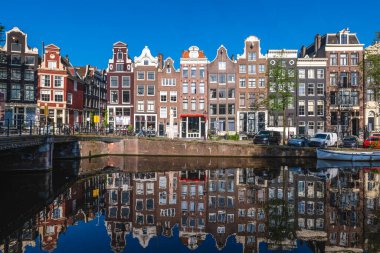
328	164
348	155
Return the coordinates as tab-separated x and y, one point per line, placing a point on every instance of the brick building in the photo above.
18	78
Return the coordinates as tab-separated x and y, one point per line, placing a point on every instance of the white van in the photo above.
324	140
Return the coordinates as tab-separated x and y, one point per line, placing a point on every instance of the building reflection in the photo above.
329	209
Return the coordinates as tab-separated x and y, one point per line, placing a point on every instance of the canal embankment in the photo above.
196	148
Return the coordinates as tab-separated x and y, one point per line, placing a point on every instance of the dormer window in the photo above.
146	62
168	69
119	55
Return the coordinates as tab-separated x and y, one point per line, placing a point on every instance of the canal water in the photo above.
156	204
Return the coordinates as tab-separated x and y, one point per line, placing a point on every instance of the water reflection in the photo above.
247	209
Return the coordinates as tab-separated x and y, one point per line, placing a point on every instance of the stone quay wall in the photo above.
166	147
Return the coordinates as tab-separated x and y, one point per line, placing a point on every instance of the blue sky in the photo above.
86	30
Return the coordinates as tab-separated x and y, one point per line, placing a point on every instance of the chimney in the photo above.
67	58
316	44
160	61
319	40
303	51
232	57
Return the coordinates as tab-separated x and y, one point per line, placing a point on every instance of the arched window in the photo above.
119	55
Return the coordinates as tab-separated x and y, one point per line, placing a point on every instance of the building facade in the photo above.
120	87
60	90
311	94
193	113
168	92
18	78
251	88
345	87
145	82
222	89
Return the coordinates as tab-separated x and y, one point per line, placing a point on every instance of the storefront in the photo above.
145	122
193	126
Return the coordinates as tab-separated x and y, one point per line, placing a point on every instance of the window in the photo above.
242	100
251	82
15	91
150	106
222	109
52	64
185	88
333	79
119	67
119	55
29	92
310	89
354	59
222	65
201	104
261	82
354	78
320	73
29	75
45	95
231	93
185	72
320	89
370	95
310	73
222	79
114	81
140	90
114	96
45	80
301	73
301	108
58	96
16	47
251	69
15	74
201	88
242	82
69	98
231	78
3	73
193	72
140	105
310	108
231	109
222	93
202	72
333	59
242	69
185	104
251	56
150	90
213	78
126	97
320	126
193	88
163	96
140	75
193	104
343	59
320	108
173	96
301	89
58	81
212	93
146	62
126	81
15	59
151	75
174	109
29	60
163	112
261	68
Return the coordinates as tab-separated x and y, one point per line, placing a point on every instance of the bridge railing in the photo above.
31	127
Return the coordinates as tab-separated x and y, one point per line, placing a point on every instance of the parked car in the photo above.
372	142
267	137
323	140
298	141
350	142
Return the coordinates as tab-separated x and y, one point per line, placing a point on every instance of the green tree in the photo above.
282	84
371	66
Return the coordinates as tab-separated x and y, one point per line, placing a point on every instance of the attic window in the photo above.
168	69
343	39
146	62
119	55
16	47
